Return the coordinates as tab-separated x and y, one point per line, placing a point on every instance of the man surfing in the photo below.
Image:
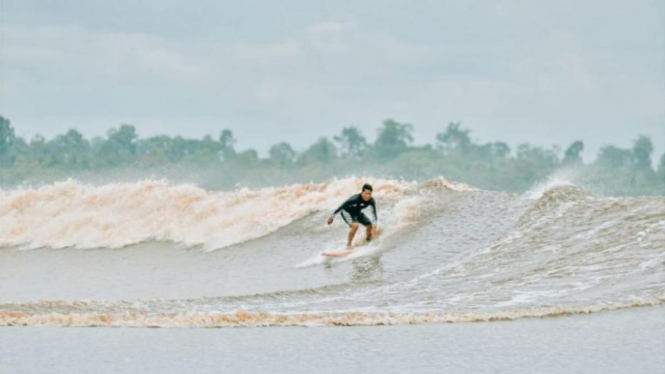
352	213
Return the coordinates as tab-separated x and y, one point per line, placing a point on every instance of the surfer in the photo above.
352	213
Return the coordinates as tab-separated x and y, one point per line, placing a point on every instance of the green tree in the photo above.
154	150
206	151
661	167
416	163
72	150
48	154
352	143
282	154
500	150
321	152
125	138
572	154
120	147
613	157
488	153
642	149
227	141
39	151
177	149
534	163
454	140
248	158
541	156
7	141
394	138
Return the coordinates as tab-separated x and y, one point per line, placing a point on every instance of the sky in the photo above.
542	72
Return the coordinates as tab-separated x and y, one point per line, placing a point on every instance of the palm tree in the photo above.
282	154
572	155
394	138
454	140
7	140
352	142
643	148
227	142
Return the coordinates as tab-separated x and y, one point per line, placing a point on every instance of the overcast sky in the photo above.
544	72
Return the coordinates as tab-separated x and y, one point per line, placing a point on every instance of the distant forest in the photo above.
214	161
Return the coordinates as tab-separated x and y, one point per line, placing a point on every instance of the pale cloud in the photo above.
133	56
24	47
398	52
254	52
501	10
339	39
85	53
577	69
571	63
557	63
327	37
269	91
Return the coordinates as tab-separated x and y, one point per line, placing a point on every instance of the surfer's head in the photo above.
366	192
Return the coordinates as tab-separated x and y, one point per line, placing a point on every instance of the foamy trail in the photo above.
248	319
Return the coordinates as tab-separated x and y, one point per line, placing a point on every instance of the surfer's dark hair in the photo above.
368	186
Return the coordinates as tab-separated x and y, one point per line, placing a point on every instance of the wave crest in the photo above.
71	214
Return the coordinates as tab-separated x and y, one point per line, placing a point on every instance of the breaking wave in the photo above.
70	214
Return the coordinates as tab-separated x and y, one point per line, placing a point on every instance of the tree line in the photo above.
453	154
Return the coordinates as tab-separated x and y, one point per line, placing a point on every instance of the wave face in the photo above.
446	253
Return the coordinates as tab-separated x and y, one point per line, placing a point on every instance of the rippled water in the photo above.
153	254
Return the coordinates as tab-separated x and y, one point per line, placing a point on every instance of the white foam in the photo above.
539	189
71	214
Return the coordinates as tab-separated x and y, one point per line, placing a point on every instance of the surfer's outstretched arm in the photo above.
332	216
344	205
339	209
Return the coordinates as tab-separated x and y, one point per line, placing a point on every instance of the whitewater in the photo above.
157	254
